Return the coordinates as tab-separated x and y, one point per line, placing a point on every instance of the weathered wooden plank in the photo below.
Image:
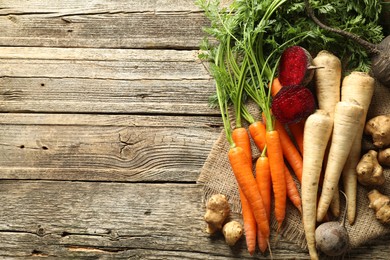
121	220
106	96
101	120
113	148
96	6
84	219
94	54
182	30
73	219
145	68
107	81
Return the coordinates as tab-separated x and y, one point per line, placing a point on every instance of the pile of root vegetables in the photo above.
312	120
332	144
370	167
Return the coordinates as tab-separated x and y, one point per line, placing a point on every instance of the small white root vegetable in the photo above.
384	157
380	203
217	210
232	232
318	128
360	87
346	119
379	128
327	79
369	171
332	237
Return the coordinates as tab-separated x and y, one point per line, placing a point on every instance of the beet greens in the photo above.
379	53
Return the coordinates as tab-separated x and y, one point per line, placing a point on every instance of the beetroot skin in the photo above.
295	67
292	104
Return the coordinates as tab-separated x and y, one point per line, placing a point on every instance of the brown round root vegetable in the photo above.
332	237
232	232
217	210
369	171
379	128
380	203
384	157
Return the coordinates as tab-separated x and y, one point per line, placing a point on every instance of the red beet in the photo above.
292	104
295	67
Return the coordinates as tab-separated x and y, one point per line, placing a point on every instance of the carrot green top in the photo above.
251	35
239	64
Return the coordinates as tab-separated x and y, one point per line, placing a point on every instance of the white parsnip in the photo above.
360	87
347	117
327	80
317	132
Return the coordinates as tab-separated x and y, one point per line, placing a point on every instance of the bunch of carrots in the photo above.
269	174
240	70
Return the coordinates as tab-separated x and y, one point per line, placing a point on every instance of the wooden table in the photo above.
105	126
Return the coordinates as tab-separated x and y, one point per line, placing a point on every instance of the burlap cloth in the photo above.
217	177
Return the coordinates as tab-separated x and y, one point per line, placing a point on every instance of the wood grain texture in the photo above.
103	80
104	128
117	220
96	6
62	63
125	25
111	148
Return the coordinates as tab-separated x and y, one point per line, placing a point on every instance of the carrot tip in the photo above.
279	227
263	249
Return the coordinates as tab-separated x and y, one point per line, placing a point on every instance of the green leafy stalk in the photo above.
219	73
251	35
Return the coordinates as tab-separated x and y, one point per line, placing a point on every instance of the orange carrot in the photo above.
241	138
297	131
246	181
257	132
276	162
275	86
261	242
263	180
292	190
290	152
250	226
